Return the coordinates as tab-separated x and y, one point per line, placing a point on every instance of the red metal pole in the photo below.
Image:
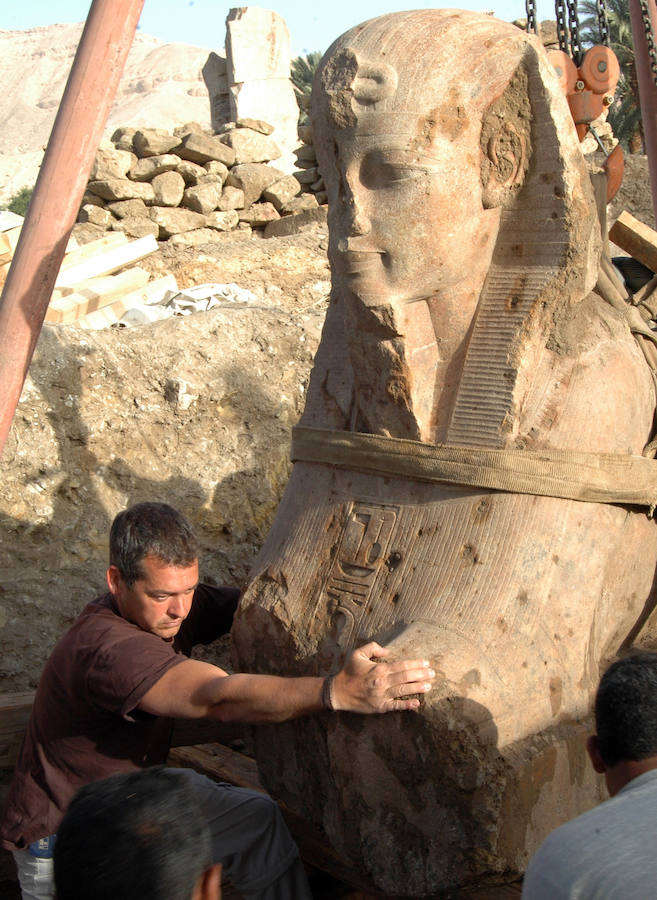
647	88
78	128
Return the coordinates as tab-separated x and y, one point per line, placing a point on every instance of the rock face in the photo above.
464	248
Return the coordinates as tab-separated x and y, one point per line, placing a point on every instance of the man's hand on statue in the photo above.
367	686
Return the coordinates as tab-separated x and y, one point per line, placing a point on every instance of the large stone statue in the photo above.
468	311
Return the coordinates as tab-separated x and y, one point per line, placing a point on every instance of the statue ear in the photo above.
504	166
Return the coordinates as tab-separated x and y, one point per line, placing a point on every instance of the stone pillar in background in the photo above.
216	80
258	75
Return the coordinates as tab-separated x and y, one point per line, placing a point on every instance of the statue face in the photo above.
405	223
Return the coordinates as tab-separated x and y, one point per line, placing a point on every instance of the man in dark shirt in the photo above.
116	679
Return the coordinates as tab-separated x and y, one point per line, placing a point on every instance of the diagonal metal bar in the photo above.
647	88
81	118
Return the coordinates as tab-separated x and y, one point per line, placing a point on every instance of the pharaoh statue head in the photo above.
451	163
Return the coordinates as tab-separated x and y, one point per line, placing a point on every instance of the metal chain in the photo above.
650	38
562	31
573	25
603	22
530	9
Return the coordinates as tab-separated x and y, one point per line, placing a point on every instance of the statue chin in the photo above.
465	248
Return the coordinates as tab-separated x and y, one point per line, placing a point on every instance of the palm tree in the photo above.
302	72
625	114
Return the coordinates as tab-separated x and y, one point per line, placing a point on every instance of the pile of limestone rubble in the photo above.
192	187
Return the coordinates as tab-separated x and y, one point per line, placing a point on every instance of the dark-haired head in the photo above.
151	529
135	836
626	710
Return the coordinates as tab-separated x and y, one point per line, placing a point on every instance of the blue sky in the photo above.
312	26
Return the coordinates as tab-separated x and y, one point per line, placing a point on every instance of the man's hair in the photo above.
151	529
135	836
626	709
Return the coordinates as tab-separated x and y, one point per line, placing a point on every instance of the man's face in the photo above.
160	599
405	224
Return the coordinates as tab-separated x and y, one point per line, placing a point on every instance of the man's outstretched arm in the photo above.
196	689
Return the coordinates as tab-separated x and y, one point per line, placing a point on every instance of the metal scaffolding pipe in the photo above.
78	128
647	88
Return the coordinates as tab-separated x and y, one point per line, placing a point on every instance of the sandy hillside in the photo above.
162	87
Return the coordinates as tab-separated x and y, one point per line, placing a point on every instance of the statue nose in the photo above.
359	220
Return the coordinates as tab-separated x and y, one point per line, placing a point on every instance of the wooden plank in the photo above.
110	315
637	239
105	263
14	713
9	219
80	254
94	294
8	241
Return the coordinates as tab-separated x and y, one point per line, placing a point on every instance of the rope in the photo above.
570	475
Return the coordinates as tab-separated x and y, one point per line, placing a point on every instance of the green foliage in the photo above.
625	114
20	201
303	70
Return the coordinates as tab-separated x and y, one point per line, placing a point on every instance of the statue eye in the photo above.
378	173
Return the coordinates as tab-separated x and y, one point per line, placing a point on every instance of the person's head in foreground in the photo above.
135	836
625	743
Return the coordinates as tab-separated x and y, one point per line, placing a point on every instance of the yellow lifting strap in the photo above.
571	475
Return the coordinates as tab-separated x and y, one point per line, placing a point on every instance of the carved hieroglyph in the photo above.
464	249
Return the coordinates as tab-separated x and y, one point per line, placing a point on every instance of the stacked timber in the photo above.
98	281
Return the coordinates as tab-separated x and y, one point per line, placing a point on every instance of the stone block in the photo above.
214	167
189	128
251	146
216	81
297	204
195	238
93	199
202	198
253	178
255	125
175	221
122	138
305	133
223	221
231	198
282	191
136	226
257	45
307	176
259	214
85	232
306	152
111	163
122	189
123	209
201	149
147	168
191	172
153	142
95	215
295	223
168	189
272	100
